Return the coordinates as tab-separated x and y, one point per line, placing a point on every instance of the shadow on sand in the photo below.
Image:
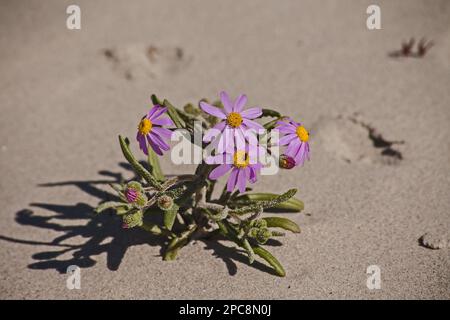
100	233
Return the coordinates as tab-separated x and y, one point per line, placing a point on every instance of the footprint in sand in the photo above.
141	61
353	140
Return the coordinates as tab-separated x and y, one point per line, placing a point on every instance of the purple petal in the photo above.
219	171
251	113
286	139
293	148
241	181
223	158
214	131
156	112
240	139
286	128
231	183
240	103
227	105
159	141
212	110
154	145
163	132
252	124
142	144
163	122
226	141
251	174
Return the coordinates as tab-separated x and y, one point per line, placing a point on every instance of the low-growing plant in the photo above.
183	207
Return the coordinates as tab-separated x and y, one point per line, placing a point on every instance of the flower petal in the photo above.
212	110
163	122
241	181
231	183
251	113
156	111
240	103
154	146
226	141
219	171
214	131
293	148
163	132
142	143
287	138
223	158
227	105
159	141
252	124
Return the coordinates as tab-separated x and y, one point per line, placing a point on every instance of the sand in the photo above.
378	179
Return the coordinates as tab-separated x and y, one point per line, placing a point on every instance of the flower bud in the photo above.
132	219
262	235
286	162
165	202
134	193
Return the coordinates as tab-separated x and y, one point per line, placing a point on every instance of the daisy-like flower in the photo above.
236	122
150	130
296	137
242	164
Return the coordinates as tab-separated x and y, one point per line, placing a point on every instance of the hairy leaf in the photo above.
266	255
283	223
138	168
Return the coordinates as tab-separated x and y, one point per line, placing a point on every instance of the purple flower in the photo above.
243	165
235	125
131	195
296	137
150	129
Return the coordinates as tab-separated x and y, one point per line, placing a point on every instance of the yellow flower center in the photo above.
234	119
302	133
145	126
241	159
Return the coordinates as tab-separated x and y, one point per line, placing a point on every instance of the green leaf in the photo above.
155	100
266	255
177	243
227	231
138	168
270	113
108	205
291	205
155	168
273	202
251	255
170	215
283	223
173	114
152	228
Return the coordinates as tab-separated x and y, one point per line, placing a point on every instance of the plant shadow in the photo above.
100	233
79	221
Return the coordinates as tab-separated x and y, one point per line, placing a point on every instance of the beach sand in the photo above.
378	179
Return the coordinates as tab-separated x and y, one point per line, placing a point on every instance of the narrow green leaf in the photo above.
152	228
270	113
169	216
292	204
173	114
278	199
155	100
138	168
177	243
108	205
266	255
251	255
154	165
283	223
